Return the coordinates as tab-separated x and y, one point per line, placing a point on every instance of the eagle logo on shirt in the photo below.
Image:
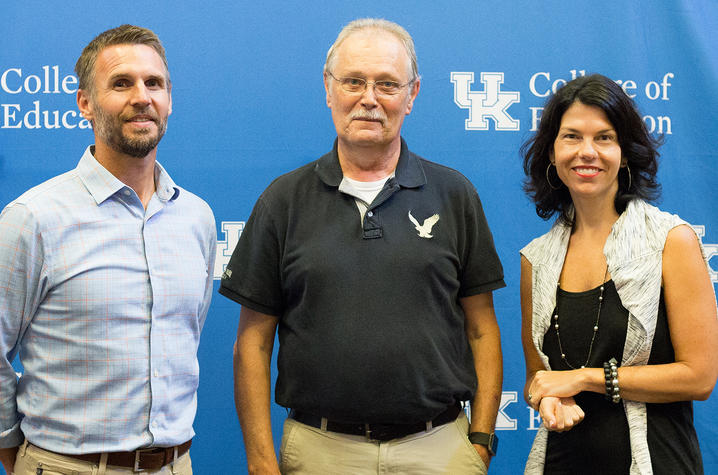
424	229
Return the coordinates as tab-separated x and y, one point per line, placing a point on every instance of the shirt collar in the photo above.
409	173
166	188
102	184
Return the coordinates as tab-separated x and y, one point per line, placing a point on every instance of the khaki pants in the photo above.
443	450
33	460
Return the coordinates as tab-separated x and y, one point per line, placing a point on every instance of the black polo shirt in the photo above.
370	326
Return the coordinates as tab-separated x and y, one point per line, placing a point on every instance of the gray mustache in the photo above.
369	115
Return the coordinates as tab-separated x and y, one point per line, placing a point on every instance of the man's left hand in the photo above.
7	458
483	453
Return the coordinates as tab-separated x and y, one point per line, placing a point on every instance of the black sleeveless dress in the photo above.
600	444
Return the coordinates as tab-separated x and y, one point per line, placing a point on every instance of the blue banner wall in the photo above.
249	105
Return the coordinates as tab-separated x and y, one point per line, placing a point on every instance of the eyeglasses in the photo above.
359	85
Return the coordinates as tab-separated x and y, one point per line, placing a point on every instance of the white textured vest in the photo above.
634	254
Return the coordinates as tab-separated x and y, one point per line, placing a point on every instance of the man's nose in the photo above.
140	94
368	97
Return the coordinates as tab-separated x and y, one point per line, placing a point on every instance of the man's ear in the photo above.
326	88
85	104
169	93
416	85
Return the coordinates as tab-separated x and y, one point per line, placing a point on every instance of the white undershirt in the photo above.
364	192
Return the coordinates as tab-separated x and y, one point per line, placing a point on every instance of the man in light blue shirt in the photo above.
105	280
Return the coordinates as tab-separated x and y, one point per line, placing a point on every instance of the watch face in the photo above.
489	440
493	444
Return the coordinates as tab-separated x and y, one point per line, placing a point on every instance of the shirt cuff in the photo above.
483	288
11	437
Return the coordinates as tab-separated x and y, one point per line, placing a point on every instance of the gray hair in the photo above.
374	24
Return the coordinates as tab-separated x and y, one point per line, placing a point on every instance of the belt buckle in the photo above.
380	432
138	452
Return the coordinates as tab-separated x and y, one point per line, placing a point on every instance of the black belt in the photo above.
382	432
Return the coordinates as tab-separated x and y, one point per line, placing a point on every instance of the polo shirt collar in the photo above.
408	174
102	184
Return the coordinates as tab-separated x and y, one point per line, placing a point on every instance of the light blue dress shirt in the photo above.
104	301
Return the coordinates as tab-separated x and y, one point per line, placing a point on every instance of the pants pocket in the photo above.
31	462
285	450
471	452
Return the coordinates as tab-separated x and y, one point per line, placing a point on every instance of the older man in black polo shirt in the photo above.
377	267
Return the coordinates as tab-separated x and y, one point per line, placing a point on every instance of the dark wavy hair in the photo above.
638	147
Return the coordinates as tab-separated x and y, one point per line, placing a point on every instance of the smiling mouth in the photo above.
141	116
586	172
141	121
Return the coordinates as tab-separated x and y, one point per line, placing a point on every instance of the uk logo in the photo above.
231	230
503	420
711	252
491	103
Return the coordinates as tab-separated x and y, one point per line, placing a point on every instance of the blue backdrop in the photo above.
248	105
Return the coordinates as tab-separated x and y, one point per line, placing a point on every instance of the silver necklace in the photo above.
595	325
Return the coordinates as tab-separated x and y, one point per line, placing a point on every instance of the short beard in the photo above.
109	129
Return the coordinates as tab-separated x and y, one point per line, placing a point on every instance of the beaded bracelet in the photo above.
610	372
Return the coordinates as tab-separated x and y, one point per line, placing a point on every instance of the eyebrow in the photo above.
117	76
381	76
571	129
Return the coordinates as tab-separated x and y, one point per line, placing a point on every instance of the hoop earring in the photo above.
548	180
630	182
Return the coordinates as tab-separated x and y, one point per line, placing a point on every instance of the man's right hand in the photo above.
267	467
252	393
7	458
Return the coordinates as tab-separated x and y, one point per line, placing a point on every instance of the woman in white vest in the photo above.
619	314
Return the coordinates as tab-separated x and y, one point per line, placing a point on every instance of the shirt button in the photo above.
157	374
127	192
370	213
154	423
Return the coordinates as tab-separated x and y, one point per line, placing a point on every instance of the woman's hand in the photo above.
560	414
560	384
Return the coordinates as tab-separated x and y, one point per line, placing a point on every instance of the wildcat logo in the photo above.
425	229
232	230
489	103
